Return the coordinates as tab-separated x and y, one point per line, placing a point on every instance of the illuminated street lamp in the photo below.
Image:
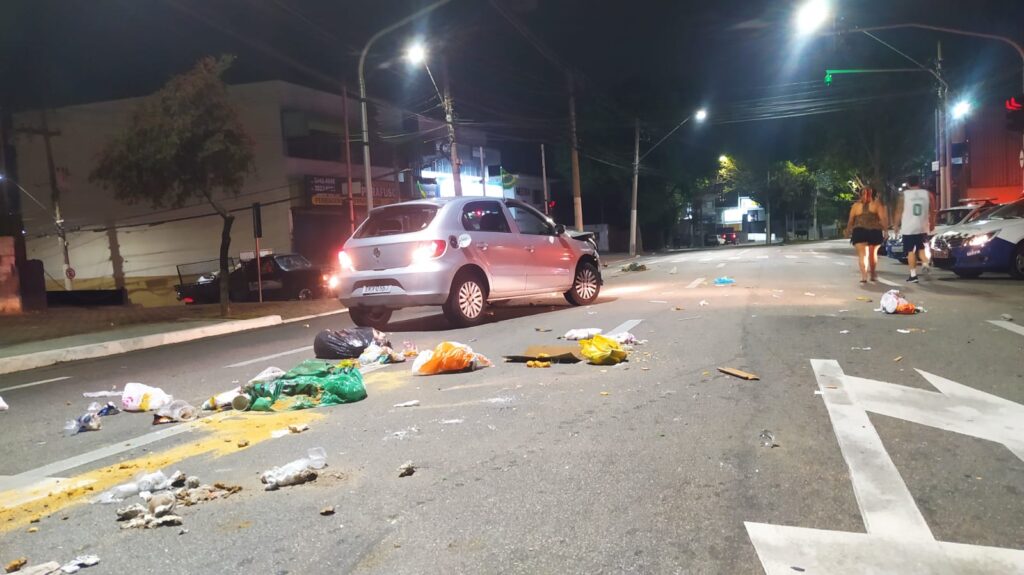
416	54
961	110
811	16
701	115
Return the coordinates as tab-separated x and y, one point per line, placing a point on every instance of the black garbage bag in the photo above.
348	343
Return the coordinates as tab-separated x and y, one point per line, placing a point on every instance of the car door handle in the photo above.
483	246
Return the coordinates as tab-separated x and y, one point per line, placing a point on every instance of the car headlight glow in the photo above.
981	239
332	282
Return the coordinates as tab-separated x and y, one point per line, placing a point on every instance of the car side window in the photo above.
529	222
484	217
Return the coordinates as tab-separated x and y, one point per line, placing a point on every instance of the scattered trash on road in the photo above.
658	301
724	281
327	511
538	363
312	383
863	298
348	343
704	303
77	563
1007	317
542	329
223	400
893	302
809	294
411	403
898	358
98	394
634	267
860	348
409	350
15	565
49	568
626	338
297	472
679	308
177	410
406	469
141	397
3	405
767	439
452	421
844	332
605	393
673	271
601	350
449	357
582	333
911	330
739	373
108	409
548	353
90	421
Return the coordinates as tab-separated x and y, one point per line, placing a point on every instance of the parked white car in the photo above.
992	244
461	254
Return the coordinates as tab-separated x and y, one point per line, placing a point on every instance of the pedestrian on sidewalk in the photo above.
868	218
915	216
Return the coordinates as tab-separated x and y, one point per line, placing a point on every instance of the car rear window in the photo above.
394	220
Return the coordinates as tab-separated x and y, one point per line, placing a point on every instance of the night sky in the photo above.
656	59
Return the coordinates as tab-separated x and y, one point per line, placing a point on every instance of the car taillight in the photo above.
187	299
429	250
345	261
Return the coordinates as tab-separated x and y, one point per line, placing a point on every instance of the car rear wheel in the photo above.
467	300
1017	263
586	285
967	273
305	294
375	317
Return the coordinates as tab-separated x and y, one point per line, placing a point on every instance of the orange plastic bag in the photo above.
449	357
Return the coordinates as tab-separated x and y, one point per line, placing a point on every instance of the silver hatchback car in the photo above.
461	254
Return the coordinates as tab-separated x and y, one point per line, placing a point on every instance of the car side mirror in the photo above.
559	229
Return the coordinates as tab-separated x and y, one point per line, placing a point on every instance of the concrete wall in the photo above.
112	244
10	298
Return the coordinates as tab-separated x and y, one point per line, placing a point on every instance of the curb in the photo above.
118	346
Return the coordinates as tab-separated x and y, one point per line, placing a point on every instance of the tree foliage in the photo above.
185	143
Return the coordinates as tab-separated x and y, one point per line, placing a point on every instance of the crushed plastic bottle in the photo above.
767	439
297	472
119	493
151	482
222	400
177	410
90	421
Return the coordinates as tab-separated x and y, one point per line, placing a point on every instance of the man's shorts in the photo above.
914	242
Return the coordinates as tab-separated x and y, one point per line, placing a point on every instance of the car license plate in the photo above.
374	290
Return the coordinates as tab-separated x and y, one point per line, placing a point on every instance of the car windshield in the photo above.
981	213
1009	211
398	219
292	262
951	217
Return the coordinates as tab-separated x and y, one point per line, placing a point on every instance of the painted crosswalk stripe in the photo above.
762	257
625	326
887	282
790	257
271	356
1008	326
41	382
695	283
721	265
706	259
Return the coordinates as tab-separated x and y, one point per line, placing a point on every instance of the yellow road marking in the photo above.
18	507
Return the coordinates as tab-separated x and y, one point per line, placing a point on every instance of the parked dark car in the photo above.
284	277
728	236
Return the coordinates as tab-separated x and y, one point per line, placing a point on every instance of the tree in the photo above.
182	144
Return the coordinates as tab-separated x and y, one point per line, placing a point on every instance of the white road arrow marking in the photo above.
1003	324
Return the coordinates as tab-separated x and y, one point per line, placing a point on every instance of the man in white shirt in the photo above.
915	214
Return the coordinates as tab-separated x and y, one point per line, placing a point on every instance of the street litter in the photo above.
893	302
679	308
542	329
15	565
898	358
540	364
3	405
724	281
601	350
312	383
412	403
547	354
703	303
297	472
845	331
452	421
49	568
449	357
911	330
626	338
77	563
863	298
809	294
605	393
90	421
582	333
141	397
860	348
409	350
673	270
1007	317
634	267
108	409
380	354
348	343
222	400
739	373
767	439
329	510
661	301
406	469
98	394
843	310
177	410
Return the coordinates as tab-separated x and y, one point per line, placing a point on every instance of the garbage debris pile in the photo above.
51	567
449	357
634	267
312	383
894	303
297	472
160	496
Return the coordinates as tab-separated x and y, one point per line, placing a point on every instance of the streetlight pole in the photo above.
367	176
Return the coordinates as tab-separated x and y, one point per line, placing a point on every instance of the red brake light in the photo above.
187	299
345	261
429	250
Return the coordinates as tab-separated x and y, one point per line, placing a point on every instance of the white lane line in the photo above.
680	260
705	260
721	265
790	257
840	263
695	283
625	326
41	382
734	258
316	315
1003	324
885	502
821	257
882	280
271	356
762	257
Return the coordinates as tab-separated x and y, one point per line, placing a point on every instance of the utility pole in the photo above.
577	199
636	181
62	237
945	180
450	120
483	172
544	180
348	161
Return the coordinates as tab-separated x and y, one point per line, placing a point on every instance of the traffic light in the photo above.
551	204
1015	113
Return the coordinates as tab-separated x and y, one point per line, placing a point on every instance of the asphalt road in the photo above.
654	466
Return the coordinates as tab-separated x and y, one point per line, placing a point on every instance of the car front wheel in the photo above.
586	285
467	300
375	317
1017	262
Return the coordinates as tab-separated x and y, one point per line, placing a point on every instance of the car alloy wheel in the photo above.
471	299
586	283
305	294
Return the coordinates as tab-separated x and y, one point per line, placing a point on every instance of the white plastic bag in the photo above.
222	400
296	472
584	333
268	375
141	397
3	405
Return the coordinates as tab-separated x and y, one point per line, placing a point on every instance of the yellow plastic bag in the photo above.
601	350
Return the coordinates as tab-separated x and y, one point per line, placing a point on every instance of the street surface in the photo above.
654	466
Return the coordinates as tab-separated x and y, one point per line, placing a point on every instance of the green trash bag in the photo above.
310	367
343	386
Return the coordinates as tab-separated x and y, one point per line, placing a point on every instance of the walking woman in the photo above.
868	220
